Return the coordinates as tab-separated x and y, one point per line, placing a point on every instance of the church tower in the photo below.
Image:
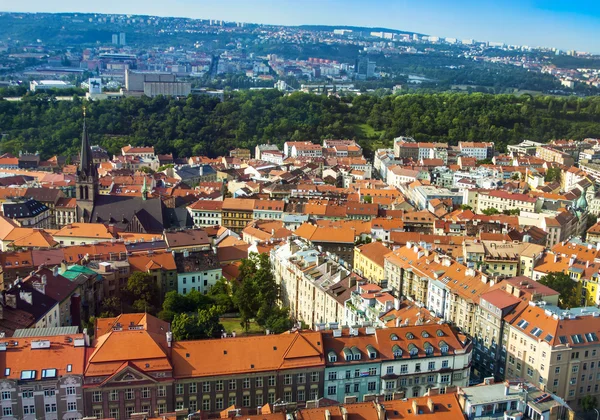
86	183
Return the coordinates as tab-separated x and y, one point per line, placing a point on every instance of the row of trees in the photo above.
201	125
195	315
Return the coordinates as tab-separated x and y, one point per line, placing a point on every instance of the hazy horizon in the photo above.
529	22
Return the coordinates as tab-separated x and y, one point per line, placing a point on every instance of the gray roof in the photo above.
120	211
45	332
28	208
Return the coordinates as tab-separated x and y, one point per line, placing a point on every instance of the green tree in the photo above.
588	403
110	307
277	320
222	294
258	292
565	286
465	207
175	303
553	174
202	324
142	293
490	211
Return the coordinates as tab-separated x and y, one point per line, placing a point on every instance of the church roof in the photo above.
120	211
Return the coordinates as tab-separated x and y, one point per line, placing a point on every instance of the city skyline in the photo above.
534	23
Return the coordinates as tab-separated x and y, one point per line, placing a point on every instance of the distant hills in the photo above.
330	28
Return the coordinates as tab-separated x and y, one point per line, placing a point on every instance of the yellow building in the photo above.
369	261
236	213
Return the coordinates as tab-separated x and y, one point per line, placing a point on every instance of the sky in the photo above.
568	25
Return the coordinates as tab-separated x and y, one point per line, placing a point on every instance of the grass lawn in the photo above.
233	324
368	132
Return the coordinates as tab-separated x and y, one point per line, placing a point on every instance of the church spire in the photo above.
86	163
144	189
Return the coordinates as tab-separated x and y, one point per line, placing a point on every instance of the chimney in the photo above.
169	338
430	405
55	271
506	388
344	413
415	407
327	415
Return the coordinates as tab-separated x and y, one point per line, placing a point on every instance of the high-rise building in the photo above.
115	39
122	40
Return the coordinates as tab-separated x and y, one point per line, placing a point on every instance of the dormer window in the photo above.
393	337
410	336
332	357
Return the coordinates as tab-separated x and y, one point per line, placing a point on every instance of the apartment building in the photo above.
497	307
248	372
268	209
206	213
336	241
550	154
312	284
368	304
447	288
197	271
557	349
236	213
479	151
369	261
43	374
504	200
128	369
160	265
502	259
512	399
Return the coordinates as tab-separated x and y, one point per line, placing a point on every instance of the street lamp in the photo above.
597	413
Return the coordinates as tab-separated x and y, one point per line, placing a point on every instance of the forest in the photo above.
201	125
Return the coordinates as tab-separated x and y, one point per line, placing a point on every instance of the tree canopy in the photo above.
566	288
258	294
201	125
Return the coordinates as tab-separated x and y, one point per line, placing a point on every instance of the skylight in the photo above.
28	374
522	324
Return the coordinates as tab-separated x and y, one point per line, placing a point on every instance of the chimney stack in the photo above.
415	407
430	405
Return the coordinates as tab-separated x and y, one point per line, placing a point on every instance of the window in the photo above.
403	368
129	394
6	395
372	371
162	408
161	391
97	412
114	395
259	382
356	387
206	404
271	397
97	396
557	370
71	406
331	390
205	386
70	390
219	385
232	384
445	379
314	376
529	371
232	400
246	383
372	386
51	408
259	400
301	395
389	370
287	396
178	389
246	401
272	380
431	366
332	376
390	385
49	392
444	364
300	378
178	405
287	379
145	392
192	388
28	409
